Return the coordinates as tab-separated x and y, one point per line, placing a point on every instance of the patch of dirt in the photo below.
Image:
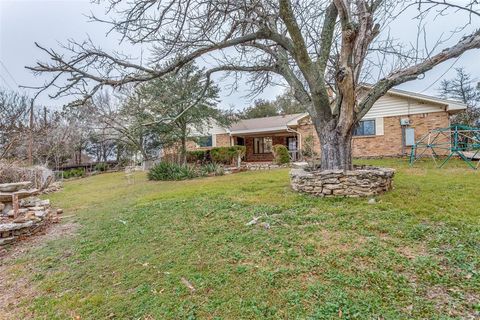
15	286
413	251
444	300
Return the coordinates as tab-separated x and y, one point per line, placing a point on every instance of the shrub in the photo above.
212	168
280	153
197	156
41	177
308	150
72	173
101	167
227	155
172	171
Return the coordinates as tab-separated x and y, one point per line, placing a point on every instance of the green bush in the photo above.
196	156
280	153
167	171
212	168
72	173
227	155
101	167
172	171
308	150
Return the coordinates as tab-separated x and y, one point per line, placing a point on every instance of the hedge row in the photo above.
225	155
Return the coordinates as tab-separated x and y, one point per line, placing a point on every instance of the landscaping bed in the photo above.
362	181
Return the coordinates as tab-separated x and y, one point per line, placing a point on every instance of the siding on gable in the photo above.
210	129
389	106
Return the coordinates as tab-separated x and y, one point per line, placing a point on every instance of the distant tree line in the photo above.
282	104
128	125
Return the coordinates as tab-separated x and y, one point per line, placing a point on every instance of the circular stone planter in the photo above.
362	181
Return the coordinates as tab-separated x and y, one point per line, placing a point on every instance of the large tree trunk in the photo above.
335	147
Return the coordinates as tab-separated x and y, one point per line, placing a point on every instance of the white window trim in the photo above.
379	127
214	140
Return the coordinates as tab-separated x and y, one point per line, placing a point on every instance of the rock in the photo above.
7	196
59	211
29	202
21	219
15	186
36	208
300	165
44	203
39	214
30	215
2	206
4	241
8	207
372	201
332	186
265	225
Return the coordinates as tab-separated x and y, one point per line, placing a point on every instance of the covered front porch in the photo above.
259	146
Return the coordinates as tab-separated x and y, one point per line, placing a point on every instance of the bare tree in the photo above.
463	88
323	50
13	119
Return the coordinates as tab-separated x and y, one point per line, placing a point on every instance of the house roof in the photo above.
266	124
283	122
450	105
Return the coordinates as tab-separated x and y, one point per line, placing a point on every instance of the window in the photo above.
205	141
262	145
365	128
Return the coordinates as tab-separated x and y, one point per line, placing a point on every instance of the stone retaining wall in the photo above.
360	182
10	232
263	165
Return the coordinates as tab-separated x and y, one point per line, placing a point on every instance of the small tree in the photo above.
181	105
280	153
464	89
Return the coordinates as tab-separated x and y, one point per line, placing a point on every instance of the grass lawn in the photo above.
415	254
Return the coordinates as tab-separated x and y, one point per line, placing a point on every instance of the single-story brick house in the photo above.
389	129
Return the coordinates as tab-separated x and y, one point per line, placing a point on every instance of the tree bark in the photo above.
335	147
183	150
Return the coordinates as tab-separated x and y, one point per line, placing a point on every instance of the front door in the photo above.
292	147
292	143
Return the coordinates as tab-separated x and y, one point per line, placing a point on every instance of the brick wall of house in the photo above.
390	143
306	129
251	156
223	140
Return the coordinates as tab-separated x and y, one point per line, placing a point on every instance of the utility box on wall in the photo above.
409	137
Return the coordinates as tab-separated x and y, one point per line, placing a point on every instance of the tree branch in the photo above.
411	73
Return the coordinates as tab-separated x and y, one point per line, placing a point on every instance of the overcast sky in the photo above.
22	22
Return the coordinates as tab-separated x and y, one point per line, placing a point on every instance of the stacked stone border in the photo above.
253	166
11	232
362	181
